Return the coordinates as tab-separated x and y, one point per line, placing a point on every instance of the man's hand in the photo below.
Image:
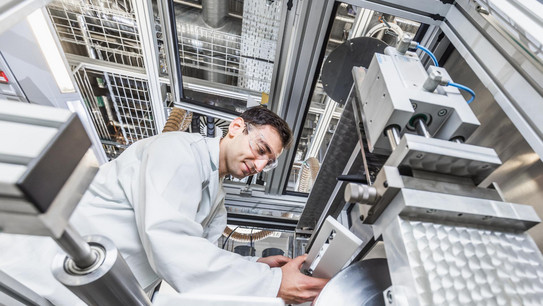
296	287
275	261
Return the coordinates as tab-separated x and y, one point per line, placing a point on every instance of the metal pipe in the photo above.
458	139
393	134
214	12
420	126
167	13
75	246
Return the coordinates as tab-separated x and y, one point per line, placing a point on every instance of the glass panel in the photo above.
228	45
324	113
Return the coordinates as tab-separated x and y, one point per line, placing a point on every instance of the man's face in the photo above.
253	150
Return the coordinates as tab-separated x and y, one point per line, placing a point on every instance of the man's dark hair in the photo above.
260	116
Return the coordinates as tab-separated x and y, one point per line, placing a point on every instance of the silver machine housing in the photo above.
448	240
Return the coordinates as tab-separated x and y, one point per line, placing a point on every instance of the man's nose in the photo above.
260	164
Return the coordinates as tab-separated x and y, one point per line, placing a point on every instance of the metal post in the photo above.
420	126
393	134
171	47
146	26
75	246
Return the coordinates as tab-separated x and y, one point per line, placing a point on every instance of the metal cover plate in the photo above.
336	74
446	157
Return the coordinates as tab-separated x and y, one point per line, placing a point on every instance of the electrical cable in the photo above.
434	59
224	243
459	86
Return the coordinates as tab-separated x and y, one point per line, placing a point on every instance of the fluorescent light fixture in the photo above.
50	51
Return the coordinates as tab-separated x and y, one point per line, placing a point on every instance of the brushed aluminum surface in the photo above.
440	264
445	157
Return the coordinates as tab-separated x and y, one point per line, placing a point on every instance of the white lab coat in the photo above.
162	204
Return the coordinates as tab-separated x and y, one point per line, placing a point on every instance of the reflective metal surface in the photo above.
110	283
362	283
332	250
73	244
441	264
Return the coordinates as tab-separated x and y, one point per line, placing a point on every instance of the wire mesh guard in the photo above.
259	36
108	31
105	30
119	107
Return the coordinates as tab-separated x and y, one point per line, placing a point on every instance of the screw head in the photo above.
389	296
414	105
419	156
442	112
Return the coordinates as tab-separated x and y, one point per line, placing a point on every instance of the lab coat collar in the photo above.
213	145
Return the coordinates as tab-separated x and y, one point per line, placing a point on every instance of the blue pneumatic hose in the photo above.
463	88
434	59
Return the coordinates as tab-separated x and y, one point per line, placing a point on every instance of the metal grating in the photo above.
105	30
209	49
457	265
219	52
259	34
119	106
130	98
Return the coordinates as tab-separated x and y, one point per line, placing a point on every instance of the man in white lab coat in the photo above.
162	204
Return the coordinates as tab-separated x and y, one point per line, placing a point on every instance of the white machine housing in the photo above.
392	94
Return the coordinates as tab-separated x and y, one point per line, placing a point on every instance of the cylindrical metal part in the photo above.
404	43
432	81
393	134
195	123
214	12
360	193
210	126
108	282
420	126
272	252
458	139
245	250
76	247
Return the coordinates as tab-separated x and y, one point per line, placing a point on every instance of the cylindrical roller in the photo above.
214	12
272	252
245	250
360	193
107	282
405	43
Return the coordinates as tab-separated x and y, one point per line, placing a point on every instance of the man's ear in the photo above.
237	126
